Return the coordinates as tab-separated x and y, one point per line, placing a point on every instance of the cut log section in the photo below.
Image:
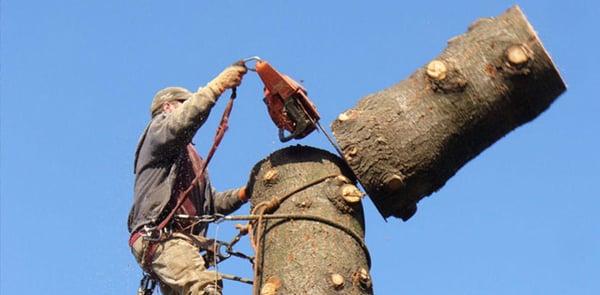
311	240
405	142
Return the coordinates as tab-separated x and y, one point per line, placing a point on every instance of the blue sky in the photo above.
77	78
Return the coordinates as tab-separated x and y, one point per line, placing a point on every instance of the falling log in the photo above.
311	240
405	142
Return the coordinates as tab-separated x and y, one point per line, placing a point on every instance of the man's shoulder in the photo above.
157	120
155	126
143	142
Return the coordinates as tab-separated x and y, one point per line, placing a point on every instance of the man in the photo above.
166	166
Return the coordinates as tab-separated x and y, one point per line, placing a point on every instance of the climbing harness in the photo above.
222	250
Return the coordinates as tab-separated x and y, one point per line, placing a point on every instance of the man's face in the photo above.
169	106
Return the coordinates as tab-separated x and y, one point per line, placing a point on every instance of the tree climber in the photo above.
166	167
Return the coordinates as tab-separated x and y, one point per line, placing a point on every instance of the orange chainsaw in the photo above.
287	102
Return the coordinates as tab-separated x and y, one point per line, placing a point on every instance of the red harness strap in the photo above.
147	254
192	165
199	167
134	237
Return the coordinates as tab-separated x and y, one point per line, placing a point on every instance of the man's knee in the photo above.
179	266
211	290
199	288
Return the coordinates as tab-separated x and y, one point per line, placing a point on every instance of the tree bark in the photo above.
405	142
321	250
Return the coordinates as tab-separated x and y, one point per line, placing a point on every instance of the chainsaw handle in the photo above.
284	138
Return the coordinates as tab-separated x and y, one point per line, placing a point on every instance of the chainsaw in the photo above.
287	102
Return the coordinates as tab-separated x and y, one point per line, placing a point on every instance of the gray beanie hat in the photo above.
165	95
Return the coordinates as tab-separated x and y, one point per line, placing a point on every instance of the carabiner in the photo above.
219	253
151	233
249	59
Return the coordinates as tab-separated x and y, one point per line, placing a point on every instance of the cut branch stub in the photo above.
350	193
337	281
405	142
437	70
313	255
518	54
271	287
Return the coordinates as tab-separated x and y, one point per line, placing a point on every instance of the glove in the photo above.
245	192
230	77
243	195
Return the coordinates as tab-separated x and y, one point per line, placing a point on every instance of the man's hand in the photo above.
229	78
242	194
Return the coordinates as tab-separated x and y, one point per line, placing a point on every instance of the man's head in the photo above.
168	99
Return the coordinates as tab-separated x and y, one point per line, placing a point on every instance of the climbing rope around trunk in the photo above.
256	219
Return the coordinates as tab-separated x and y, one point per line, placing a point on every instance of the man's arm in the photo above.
180	126
228	201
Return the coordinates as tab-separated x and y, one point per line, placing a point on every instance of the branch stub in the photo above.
337	281
517	54
437	70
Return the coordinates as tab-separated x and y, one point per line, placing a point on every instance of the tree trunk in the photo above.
318	247
405	142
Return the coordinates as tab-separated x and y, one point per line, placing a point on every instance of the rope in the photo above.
217	218
262	211
259	210
216	282
223	126
317	218
237	279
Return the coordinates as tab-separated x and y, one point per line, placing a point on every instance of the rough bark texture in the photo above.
405	142
303	256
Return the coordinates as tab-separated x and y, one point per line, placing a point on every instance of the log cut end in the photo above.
405	142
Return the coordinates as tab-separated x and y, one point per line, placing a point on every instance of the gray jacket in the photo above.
159	154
